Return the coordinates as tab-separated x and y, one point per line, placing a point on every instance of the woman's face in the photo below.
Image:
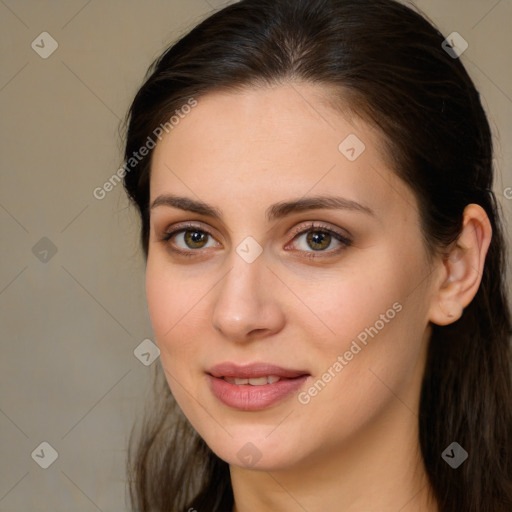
304	262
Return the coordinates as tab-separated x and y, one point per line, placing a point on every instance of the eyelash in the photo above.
346	242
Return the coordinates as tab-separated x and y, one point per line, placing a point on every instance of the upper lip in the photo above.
253	370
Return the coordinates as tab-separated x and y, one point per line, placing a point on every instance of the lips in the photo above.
255	386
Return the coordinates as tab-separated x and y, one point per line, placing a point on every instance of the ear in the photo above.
461	269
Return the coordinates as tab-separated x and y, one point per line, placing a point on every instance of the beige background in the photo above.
69	326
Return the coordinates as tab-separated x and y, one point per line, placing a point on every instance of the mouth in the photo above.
254	386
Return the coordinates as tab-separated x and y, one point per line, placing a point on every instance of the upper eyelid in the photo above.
318	226
185	226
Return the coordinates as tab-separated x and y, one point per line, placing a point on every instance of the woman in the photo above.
325	267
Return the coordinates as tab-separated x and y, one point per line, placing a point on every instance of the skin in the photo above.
353	446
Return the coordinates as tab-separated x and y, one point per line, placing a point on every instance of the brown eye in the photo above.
195	239
318	240
189	240
321	240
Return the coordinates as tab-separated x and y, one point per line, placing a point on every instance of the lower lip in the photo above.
253	398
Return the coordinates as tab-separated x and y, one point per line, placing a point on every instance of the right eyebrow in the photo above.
190	205
275	211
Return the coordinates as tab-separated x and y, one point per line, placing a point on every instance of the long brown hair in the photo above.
389	61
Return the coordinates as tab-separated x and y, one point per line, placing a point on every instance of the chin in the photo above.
257	450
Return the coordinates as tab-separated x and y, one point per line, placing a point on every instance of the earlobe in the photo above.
447	307
451	312
461	269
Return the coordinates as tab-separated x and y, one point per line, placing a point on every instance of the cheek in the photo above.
160	300
354	301
176	308
376	320
355	381
168	304
170	312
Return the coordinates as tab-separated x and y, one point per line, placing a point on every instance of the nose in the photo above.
247	306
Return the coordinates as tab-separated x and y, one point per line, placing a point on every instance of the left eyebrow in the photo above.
273	212
282	209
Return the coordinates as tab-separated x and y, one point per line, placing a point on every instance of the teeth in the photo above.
259	381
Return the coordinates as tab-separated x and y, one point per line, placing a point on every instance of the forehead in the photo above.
271	143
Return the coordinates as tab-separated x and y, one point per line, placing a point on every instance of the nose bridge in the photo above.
244	302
